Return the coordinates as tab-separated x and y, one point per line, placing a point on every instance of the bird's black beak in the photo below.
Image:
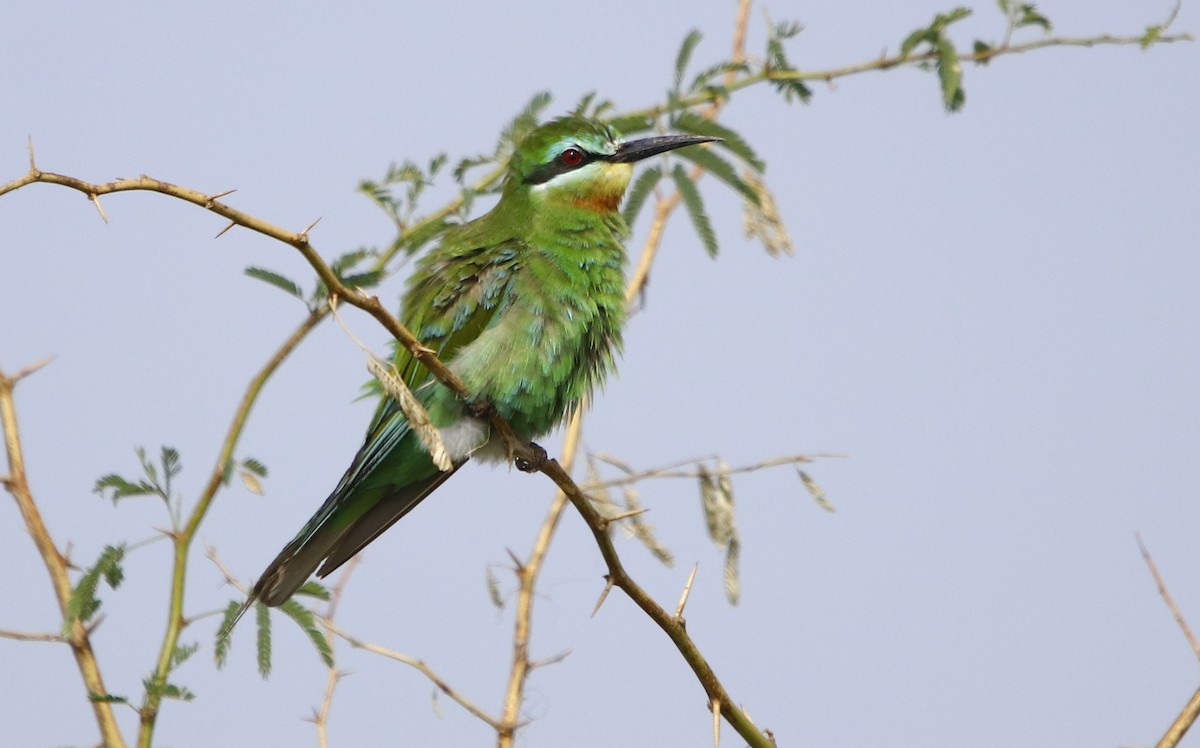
637	150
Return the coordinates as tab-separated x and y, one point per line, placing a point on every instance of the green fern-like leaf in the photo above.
913	40
1029	16
639	192
170	462
182	653
369	279
731	139
703	79
722	170
695	208
252	465
685	55
733	580
275	279
263	640
121	488
950	74
181	693
107	698
166	690
1152	35
524	122
347	261
221	646
493	590
307	623
83	603
632	124
793	89
314	589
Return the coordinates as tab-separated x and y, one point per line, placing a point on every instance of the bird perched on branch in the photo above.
525	304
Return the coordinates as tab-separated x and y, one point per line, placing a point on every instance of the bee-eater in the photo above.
525	304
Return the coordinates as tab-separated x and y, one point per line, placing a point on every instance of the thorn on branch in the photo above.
715	707
33	170
222	231
1166	596
12	381
519	567
608	585
95	198
683	598
304	233
534	664
606	521
213	198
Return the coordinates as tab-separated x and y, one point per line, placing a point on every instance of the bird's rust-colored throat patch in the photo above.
605	193
598	203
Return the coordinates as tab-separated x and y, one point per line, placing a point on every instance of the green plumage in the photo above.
525	304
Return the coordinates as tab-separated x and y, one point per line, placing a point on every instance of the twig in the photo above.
56	563
299	241
1166	596
674	629
1180	726
321	716
1191	710
31	636
673	471
425	670
527	575
183	539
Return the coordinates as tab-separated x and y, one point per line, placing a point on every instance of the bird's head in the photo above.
583	161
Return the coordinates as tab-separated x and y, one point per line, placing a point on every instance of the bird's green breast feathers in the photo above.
530	324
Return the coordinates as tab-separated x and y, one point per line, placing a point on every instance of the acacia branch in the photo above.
1187	717
674	470
413	662
527	573
321	715
527	576
56	564
182	541
671	625
1166	596
1180	726
32	636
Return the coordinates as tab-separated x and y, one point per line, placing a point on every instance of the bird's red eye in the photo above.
571	157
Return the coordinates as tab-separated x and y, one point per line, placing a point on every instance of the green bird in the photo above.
525	304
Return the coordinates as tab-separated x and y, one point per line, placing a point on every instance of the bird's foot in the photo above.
534	463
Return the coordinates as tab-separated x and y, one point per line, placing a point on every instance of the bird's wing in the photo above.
452	298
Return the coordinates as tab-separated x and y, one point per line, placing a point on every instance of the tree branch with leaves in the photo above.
693	104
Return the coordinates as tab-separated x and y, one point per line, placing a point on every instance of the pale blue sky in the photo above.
993	315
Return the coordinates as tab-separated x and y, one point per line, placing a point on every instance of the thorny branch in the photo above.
425	670
321	716
77	637
671	624
527	573
1187	717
